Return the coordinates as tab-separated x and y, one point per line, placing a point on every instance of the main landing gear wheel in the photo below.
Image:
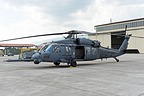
57	63
73	63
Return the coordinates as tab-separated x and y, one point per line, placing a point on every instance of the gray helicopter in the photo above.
73	49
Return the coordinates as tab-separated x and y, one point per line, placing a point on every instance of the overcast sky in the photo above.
30	17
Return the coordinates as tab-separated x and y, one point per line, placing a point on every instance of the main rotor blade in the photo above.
137	36
33	36
118	34
85	32
130	36
69	32
80	32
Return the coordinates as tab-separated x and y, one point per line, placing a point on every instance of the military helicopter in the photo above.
73	49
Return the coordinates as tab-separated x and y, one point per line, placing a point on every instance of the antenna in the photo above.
110	20
126	28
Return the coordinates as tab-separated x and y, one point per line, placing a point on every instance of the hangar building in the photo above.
106	34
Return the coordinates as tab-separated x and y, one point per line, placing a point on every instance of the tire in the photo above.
57	63
73	63
36	61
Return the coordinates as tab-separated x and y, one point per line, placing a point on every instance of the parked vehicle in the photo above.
10	54
26	53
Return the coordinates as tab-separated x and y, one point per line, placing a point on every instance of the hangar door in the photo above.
116	39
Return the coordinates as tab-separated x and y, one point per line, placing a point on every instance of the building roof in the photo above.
17	45
133	24
120	22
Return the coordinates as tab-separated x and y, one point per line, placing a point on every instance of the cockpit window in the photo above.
43	48
51	48
57	49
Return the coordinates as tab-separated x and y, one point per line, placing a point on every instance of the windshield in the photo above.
43	48
49	48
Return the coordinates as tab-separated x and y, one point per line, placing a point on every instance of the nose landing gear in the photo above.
37	61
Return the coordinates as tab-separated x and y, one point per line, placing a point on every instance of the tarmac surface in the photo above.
94	78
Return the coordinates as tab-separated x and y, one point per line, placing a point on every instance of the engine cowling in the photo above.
84	41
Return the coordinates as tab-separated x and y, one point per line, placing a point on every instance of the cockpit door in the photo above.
51	53
61	53
66	52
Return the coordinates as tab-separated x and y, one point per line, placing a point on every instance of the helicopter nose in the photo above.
37	58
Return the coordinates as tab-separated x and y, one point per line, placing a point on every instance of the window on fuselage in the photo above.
67	49
57	49
43	48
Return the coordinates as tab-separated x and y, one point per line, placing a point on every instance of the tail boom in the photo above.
124	45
